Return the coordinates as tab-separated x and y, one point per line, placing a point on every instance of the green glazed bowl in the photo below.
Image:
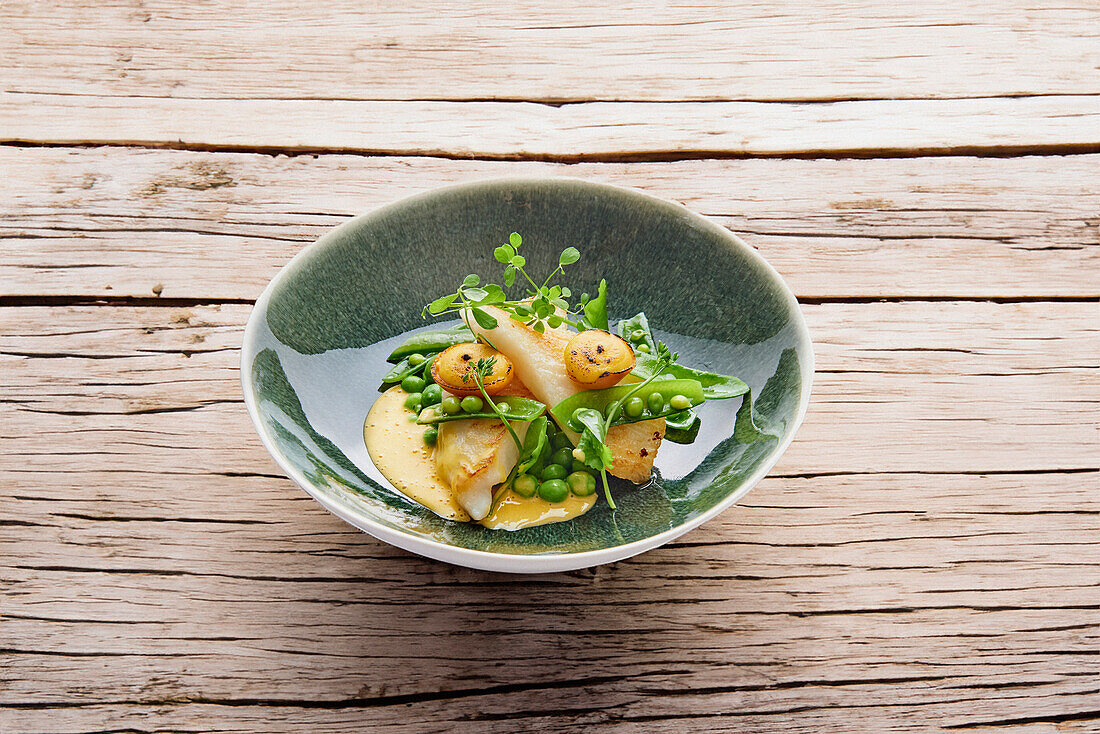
315	346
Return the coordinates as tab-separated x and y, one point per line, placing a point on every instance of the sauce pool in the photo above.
395	442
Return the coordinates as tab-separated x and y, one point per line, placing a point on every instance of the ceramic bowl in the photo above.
315	345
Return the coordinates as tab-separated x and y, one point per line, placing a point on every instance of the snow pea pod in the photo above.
682	427
519	409
598	400
715	387
534	445
425	342
636	331
401	370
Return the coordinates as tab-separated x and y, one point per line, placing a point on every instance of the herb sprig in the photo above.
478	372
545	306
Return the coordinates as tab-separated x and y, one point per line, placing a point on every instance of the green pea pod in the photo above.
593	442
431	341
401	370
519	409
627	327
598	400
534	444
715	387
682	427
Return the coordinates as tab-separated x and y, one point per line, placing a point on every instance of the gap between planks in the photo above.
591	132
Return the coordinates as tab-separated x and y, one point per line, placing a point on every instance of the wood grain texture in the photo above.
892	596
121	222
567	51
925	557
581	131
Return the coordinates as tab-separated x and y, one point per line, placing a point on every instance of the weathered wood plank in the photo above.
828	49
268	718
954	603
591	130
104	222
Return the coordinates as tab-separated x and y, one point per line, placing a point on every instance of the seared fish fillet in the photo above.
539	360
472	456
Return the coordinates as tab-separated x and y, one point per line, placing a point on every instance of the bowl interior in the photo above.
315	347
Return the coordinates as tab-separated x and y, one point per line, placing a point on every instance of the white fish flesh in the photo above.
539	361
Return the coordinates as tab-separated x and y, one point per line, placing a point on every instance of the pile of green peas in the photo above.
422	393
560	477
638	342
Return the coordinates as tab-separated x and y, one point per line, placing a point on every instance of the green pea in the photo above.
581	483
637	335
655	402
563	456
554	490
642	348
680	402
451	405
551	428
472	404
416	358
612	407
412	401
634	407
560	441
525	485
432	394
553	471
412	383
502	407
431	436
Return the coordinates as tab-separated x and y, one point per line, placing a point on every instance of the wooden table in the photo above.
925	175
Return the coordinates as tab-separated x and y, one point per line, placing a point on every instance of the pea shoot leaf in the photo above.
597	455
484	320
440	305
515	240
569	256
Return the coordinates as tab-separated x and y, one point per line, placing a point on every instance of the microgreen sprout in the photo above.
544	306
478	372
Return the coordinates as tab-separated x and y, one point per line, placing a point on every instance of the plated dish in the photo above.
513	416
319	341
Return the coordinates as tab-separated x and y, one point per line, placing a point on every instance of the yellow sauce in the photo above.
514	512
396	445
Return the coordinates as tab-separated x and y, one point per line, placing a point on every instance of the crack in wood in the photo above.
655	156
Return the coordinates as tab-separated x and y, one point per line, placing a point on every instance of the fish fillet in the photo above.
539	360
474	455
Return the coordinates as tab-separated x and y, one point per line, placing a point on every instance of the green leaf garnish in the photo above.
484	320
595	311
440	305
